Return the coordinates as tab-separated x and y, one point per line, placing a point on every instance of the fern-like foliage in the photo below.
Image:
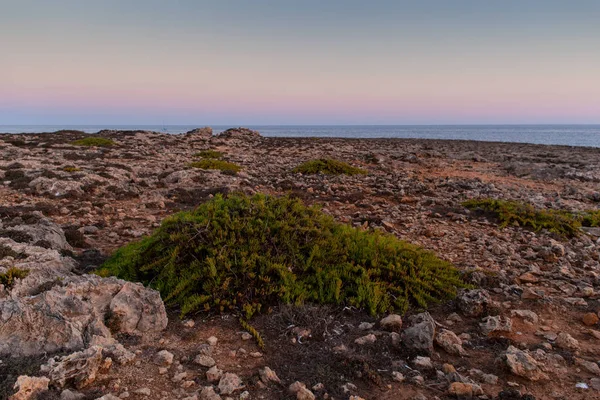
560	222
245	254
211	163
9	277
328	166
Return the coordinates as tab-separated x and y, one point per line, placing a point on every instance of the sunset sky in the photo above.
299	62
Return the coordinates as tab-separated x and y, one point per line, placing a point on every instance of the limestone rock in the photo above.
567	342
473	303
522	364
267	375
495	325
78	369
29	387
392	322
368	339
163	358
67	316
230	383
208	393
239	133
448	341
420	335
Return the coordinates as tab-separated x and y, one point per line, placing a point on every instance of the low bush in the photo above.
246	254
211	163
209	154
328	166
560	222
70	168
94	141
9	277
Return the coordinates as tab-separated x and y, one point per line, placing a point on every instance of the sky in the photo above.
299	62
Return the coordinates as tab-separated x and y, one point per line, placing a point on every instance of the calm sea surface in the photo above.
570	135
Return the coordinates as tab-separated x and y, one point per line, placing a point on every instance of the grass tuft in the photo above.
209	154
210	163
70	168
9	277
246	254
560	222
94	142
328	166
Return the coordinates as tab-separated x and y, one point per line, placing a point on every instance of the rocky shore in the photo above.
527	329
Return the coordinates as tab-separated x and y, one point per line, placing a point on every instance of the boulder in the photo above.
496	325
67	316
230	383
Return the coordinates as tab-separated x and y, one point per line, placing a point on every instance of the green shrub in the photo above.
9	277
591	219
328	166
246	254
560	222
210	163
94	141
209	154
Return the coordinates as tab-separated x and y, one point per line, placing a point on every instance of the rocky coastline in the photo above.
527	329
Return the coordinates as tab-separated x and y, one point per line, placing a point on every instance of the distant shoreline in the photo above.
559	135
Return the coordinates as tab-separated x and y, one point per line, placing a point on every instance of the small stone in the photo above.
163	358
163	370
365	326
143	392
448	341
398	376
392	322
230	383
179	377
301	392
527	315
205	361
368	339
589	366
590	319
189	323
522	364
212	341
30	387
70	395
460	389
448	368
567	342
267	375
214	374
246	336
422	362
495	325
208	393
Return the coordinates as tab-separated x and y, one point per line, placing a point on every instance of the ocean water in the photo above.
569	135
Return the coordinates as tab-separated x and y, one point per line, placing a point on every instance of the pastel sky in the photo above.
299	62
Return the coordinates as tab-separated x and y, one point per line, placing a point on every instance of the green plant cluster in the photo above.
209	154
70	168
94	141
246	254
211	163
560	222
9	277
328	166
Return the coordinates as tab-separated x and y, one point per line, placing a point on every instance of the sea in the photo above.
568	135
